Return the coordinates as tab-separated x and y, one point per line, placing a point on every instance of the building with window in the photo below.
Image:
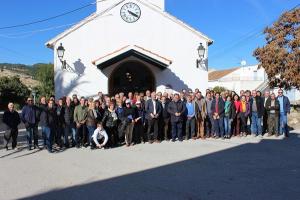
129	45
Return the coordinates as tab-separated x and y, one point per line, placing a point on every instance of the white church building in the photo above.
129	45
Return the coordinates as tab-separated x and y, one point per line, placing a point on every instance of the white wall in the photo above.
244	78
109	32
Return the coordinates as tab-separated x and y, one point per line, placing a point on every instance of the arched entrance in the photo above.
131	76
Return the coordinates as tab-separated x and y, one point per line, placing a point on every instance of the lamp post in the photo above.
34	95
60	53
201	52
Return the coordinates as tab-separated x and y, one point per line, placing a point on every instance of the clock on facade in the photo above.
130	12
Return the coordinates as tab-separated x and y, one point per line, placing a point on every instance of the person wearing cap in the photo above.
29	118
11	119
153	112
129	116
139	123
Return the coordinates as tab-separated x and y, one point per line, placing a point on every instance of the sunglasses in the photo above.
29	100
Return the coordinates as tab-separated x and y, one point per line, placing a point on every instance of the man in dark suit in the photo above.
153	112
177	110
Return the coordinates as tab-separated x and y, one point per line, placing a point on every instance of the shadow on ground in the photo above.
266	170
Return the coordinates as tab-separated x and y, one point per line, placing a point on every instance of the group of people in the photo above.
107	122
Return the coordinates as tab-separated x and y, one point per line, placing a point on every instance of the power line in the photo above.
30	33
50	18
246	37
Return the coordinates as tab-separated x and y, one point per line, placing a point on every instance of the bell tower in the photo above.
103	5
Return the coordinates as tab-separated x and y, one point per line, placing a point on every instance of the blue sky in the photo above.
234	25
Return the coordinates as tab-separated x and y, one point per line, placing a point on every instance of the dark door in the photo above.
131	76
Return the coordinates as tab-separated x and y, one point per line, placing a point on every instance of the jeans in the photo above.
283	127
219	127
30	134
177	130
46	132
190	128
256	124
209	129
91	130
227	126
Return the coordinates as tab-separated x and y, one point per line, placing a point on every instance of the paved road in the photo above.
247	168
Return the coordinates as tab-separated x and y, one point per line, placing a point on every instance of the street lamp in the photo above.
201	52
60	53
34	95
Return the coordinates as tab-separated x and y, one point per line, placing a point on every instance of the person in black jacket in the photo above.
217	108
165	117
52	123
69	123
60	111
110	123
176	108
272	107
43	118
129	116
257	112
153	112
139	132
11	119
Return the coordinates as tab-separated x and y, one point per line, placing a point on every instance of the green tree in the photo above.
45	74
219	89
12	90
280	57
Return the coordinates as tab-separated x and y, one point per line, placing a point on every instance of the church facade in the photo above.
129	45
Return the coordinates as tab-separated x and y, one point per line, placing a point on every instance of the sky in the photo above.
235	26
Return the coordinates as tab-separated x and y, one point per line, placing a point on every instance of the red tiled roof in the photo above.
216	75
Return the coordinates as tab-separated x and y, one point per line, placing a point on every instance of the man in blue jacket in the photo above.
285	109
29	118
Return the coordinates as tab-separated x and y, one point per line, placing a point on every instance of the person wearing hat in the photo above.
153	112
129	115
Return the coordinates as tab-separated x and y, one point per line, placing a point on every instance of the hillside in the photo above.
22	74
25	72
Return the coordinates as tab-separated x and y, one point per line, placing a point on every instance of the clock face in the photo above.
130	12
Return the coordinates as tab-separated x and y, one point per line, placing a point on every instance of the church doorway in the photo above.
131	76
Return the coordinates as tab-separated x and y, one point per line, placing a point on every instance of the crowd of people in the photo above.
126	120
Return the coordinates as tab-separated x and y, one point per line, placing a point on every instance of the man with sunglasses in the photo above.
284	110
29	118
